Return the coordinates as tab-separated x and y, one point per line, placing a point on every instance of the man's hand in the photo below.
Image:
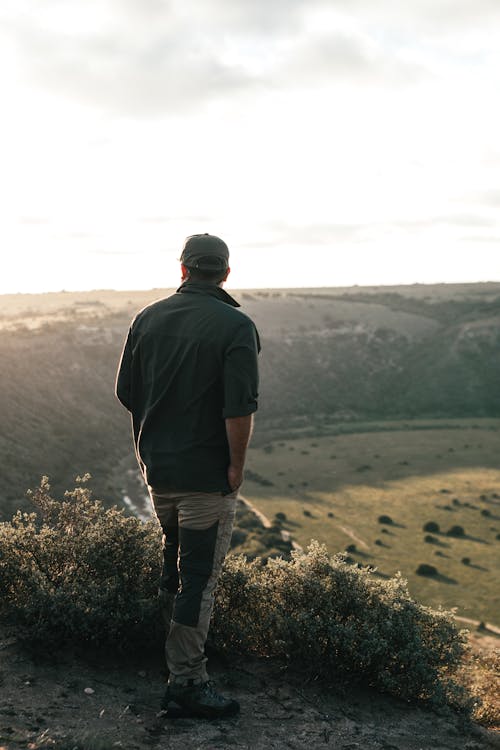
234	477
239	430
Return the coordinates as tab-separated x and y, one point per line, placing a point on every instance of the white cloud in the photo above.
285	126
137	74
150	58
323	59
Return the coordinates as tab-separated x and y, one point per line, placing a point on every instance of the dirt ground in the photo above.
99	703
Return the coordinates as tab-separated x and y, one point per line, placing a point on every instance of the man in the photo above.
188	375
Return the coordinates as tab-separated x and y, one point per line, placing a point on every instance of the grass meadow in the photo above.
336	488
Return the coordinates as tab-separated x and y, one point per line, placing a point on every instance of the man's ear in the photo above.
227	274
184	273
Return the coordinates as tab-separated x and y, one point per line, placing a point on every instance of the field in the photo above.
335	488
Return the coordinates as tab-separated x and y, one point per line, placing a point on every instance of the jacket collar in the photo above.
204	287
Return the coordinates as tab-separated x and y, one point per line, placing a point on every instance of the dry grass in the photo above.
480	674
411	494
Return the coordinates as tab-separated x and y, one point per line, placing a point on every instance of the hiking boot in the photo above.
202	701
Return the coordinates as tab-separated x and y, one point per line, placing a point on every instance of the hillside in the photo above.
329	356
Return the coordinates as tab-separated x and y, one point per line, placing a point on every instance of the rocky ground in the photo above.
99	703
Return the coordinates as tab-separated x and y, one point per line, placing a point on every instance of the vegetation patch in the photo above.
77	572
432	526
253	476
457	531
426	570
338	623
386	520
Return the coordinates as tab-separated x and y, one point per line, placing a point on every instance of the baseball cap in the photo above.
206	252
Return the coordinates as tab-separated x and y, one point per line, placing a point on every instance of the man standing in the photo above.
188	374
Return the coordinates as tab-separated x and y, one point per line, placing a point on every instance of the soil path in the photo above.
100	704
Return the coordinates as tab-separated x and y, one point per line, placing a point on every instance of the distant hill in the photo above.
380	354
329	355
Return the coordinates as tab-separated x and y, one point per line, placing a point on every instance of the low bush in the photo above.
426	570
431	526
338	623
238	537
77	572
456	531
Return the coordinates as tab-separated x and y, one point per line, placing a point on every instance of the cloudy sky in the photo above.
329	142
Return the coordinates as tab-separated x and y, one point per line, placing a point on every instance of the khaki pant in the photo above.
197	531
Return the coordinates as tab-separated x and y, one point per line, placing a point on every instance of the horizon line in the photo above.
254	288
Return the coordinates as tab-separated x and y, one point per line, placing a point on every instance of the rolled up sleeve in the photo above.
241	373
123	376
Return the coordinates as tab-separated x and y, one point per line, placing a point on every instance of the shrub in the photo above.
466	560
253	476
79	572
280	516
338	623
385	519
456	531
426	570
431	526
429	539
239	536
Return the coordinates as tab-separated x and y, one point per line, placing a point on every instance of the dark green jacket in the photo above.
189	361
